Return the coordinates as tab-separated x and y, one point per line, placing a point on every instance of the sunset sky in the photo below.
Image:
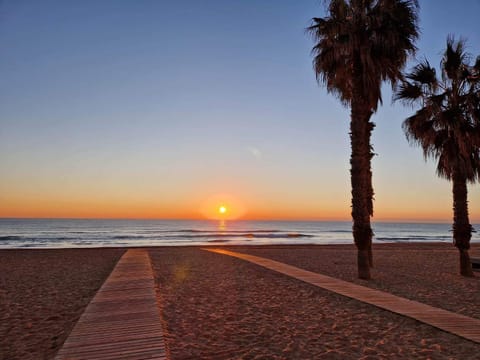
170	109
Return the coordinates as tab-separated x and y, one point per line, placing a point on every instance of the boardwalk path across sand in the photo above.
464	326
122	321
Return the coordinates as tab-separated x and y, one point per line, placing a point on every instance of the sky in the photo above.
169	109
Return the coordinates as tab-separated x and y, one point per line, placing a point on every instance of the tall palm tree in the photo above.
447	127
360	44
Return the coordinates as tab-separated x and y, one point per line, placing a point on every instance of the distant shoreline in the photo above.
266	246
388	221
28	233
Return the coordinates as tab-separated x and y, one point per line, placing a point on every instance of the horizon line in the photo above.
384	220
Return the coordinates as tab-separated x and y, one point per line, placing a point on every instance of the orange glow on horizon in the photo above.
250	207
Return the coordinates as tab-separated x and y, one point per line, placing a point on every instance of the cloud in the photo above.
257	154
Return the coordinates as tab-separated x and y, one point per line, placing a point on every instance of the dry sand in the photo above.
428	273
42	295
218	307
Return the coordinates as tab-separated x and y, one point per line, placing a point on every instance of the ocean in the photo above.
73	233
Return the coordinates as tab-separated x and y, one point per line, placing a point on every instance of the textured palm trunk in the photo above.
362	190
462	230
369	184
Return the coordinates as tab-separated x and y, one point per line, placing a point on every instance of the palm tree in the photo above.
447	127
360	44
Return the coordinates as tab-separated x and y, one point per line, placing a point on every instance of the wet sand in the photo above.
218	307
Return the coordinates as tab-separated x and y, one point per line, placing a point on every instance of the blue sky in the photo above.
160	104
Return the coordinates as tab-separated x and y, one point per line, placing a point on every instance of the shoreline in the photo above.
212	302
474	244
110	234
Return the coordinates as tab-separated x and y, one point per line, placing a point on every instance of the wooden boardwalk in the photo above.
464	326
122	321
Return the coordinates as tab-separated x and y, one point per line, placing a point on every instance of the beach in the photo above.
42	295
219	307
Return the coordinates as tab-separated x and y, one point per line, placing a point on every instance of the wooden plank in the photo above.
122	321
464	326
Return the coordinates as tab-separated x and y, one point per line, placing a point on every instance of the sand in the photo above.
428	273
218	307
42	295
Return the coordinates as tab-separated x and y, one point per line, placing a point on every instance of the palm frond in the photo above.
424	74
362	43
408	93
477	65
447	125
436	101
453	58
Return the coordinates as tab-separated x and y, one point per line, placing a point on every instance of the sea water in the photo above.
71	233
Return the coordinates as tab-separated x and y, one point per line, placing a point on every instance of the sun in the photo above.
222	207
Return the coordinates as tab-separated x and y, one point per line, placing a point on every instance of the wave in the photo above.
120	237
204	236
36	239
11	237
414	238
195	231
199	236
226	231
250	235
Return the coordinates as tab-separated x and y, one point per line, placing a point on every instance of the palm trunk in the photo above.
362	190
370	193
462	230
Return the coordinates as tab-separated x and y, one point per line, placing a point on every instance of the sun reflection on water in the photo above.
222	225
